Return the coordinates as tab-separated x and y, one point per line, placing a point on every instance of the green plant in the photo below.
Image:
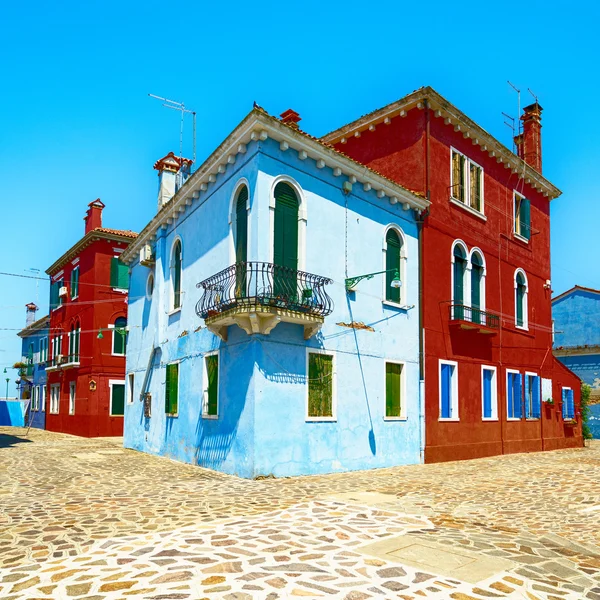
585	411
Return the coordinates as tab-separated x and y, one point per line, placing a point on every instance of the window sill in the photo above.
490	419
522	328
395	418
210	417
449	420
395	305
116	416
514	419
174	312
532	419
321	420
168	415
469	209
120	290
113	354
519	237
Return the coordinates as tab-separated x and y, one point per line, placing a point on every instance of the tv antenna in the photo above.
534	96
180	106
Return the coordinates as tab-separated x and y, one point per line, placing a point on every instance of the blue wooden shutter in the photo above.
527	392
537	398
518	396
446	382
510	392
565	400
487	393
571	397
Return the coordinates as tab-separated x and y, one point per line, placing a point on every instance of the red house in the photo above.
491	383
88	332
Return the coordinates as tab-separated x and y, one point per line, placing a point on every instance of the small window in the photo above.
34	397
459	270
514	395
394	403
210	405
521	309
150	286
119	274
489	394
130	381
72	391
176	275
458	176
568	404
532	396
117	398
393	257
466	182
320	386
120	336
43	349
74	283
448	390
522	215
43	398
54	398
74	336
56	300
172	389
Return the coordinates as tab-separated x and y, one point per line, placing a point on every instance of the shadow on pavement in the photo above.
6	441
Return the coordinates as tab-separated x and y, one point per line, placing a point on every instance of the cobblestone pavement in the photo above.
86	519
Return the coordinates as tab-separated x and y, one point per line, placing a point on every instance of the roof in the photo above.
575	288
258	125
452	116
118	235
39	324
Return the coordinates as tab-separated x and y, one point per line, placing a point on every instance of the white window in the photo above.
522	217
489	394
521	304
130	382
448	390
150	286
54	398
119	336
395	390
72	388
43	398
466	182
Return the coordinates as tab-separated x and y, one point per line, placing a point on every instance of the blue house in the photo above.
273	311
576	315
32	377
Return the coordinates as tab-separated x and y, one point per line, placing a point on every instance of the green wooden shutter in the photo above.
122	276
177	275
241	230
114	272
320	385
212	373
520	302
393	374
54	295
118	399
525	218
392	264
75	283
285	250
172	389
458	297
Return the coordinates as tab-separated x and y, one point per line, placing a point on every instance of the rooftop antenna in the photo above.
534	96
180	106
511	126
514	87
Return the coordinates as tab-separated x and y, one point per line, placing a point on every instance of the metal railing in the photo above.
66	359
261	284
461	312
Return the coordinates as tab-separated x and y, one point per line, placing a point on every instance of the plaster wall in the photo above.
577	319
38	377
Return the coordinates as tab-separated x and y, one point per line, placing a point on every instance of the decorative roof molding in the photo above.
455	118
259	126
574	289
35	327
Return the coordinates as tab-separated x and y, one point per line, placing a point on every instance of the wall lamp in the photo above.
352	282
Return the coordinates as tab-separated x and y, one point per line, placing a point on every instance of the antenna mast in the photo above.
180	106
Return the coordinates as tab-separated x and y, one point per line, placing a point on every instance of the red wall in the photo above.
97	306
399	151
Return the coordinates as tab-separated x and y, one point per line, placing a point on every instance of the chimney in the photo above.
30	314
529	143
93	216
290	117
172	174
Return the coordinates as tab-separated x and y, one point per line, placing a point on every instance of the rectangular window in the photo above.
522	217
533	396
514	395
55	299
458	176
54	398
119	274
320	386
75	283
466	181
119	339
33	398
72	388
393	390
568	404
43	349
117	398
172	389
448	384
489	394
43	397
130	381
210	405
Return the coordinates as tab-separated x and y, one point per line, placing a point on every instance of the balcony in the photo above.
257	296
62	361
467	317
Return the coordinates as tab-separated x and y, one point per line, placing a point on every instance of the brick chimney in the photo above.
172	174
30	314
529	143
291	117
93	216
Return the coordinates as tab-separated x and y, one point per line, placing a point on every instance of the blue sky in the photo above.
76	122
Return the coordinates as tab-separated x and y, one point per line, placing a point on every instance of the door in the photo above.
285	243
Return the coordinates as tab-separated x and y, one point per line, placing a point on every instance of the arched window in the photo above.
521	319
176	275
120	336
393	256
285	240
459	269
241	241
74	343
477	287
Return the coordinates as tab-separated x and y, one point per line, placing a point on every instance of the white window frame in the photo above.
525	326
467	178
33	398
43	397
477	250
333	418
516	372
130	388
78	273
562	413
72	396
402	272
403	414
233	217
466	275
454	387
172	310
205	414
532	374
515	228
149	279
111	383
55	399
112	327
494	399
43	353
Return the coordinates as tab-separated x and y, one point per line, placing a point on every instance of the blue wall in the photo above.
12	413
262	427
594	421
577	319
38	378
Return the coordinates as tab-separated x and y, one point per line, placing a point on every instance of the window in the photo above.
285	239
117	398
459	270
522	217
514	395
34	398
568	404
320	386
54	398
56	300
74	283
477	287
150	286
521	309
74	336
210	404
176	275
72	388
30	360
119	274
393	262
43	397
533	396
489	394
172	389
394	400
241	242
448	390
466	182
119	343
43	349
56	347
130	388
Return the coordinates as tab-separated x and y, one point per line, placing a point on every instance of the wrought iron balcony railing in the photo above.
256	285
469	314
